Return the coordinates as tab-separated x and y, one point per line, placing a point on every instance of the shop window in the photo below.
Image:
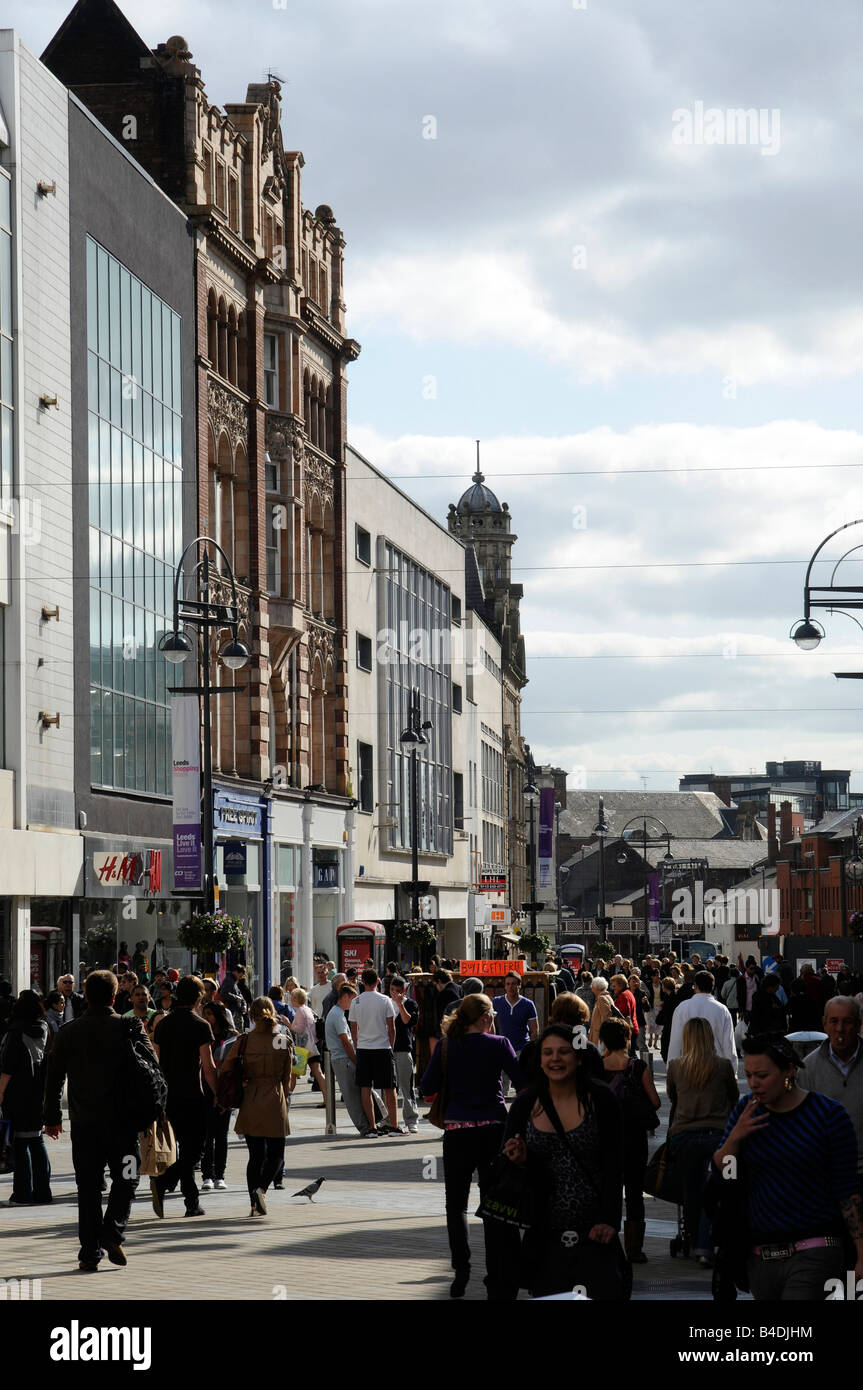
458	800
456	699
456	609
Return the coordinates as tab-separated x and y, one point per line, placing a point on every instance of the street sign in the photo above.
501	916
833	965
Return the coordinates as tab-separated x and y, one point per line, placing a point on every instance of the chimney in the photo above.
721	787
772	842
786	825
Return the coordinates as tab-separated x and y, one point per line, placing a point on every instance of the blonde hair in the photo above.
568	1008
469	1012
619	980
262	1012
698	1062
300	995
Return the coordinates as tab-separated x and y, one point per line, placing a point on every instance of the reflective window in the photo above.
135	471
7	465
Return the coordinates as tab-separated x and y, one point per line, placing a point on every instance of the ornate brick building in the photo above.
271	387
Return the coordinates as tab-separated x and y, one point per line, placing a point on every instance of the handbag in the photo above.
630	1091
158	1148
229	1084
661	1178
437	1109
509	1196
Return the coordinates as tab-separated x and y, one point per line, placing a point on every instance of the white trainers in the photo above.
221	1184
207	1185
412	1129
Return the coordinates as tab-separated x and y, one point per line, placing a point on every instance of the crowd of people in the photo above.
553	1120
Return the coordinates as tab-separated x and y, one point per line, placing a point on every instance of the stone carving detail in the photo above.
227	413
320	643
284	435
318	477
221	592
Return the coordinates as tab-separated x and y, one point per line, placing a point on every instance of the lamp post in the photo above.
531	796
412	738
204	613
646	839
601	829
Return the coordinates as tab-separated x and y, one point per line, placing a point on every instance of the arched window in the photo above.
223	501
307	402
317	771
322	417
313	412
212	328
242	568
232	345
322	290
316	556
222	367
330	778
330	423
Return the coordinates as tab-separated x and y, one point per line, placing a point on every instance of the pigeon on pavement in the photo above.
309	1191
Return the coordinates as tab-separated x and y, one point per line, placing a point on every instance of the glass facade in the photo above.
6	383
417	619
136	521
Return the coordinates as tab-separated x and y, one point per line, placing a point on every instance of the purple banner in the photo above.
187	856
653	893
546	823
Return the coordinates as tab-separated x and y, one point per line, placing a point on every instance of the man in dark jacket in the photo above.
448	993
75	1004
91	1052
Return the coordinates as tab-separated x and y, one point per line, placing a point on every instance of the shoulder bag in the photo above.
229	1084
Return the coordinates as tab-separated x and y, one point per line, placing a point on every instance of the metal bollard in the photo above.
329	1094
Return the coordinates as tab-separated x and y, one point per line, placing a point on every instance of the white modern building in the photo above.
406	616
41	850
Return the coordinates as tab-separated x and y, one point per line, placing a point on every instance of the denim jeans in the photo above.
799	1279
216	1146
92	1149
32	1178
189	1123
691	1151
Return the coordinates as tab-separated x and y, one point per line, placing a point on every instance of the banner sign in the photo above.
186	786
491	967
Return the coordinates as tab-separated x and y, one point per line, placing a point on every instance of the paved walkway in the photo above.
376	1230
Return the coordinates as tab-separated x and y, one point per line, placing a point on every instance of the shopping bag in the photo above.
300	1063
158	1148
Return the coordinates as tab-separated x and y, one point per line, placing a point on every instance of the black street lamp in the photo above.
413	738
176	646
600	830
835	598
645	839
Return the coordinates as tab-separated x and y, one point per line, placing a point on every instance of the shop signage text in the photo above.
493	883
111	867
491	967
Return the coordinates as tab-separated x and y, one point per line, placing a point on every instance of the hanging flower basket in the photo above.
855	922
418	934
212	931
534	942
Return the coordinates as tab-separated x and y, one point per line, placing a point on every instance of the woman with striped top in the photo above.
795	1152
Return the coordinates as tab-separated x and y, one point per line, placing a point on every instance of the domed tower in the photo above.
484	525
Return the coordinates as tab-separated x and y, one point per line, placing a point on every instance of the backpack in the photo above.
141	1091
229	1084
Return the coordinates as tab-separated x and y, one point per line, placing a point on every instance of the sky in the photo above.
619	244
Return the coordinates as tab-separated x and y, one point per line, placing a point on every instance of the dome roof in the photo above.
478	498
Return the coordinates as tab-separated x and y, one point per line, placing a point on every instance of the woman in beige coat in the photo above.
601	1009
263	1116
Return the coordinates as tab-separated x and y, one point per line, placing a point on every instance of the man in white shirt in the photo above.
320	989
703	1005
372	1021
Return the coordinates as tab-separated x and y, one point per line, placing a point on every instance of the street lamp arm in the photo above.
815	555
206	540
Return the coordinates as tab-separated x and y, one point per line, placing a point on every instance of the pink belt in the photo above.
783	1252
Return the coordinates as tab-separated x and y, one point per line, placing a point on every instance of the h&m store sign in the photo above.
126	869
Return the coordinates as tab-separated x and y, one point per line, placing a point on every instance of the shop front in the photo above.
128	916
240	830
311	884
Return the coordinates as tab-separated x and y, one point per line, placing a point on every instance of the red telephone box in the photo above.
359	940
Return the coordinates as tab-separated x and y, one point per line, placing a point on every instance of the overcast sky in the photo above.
571	272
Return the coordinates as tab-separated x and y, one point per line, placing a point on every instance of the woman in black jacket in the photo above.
22	1090
568	1132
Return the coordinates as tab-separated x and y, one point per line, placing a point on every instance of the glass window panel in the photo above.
157	427
136	329
148	421
95	659
147	340
162	750
143	782
92	296
142	656
92	381
6	202
105	643
94	557
177	363
114	310
117	645
116	408
8	386
128	394
104	389
167	342
102	301
129	745
156	312
150	644
96	737
125	321
6	283
6	451
105	560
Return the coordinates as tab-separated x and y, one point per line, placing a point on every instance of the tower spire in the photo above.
478	477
